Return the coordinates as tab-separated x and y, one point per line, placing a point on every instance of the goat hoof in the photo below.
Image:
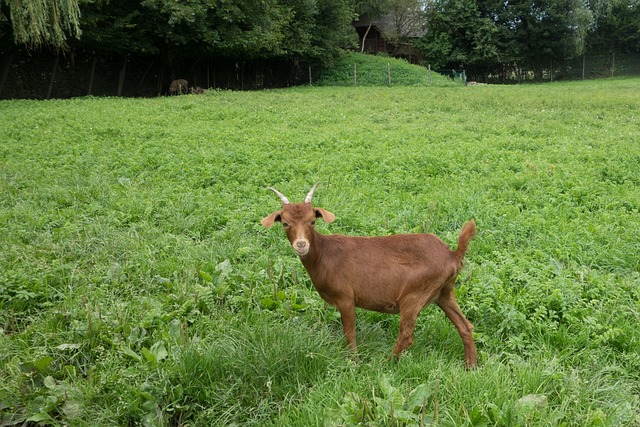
393	358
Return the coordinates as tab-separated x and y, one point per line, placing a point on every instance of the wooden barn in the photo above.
376	42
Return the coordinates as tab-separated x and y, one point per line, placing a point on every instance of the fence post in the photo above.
355	74
121	76
429	73
310	79
5	72
389	73
53	75
583	66
613	63
160	80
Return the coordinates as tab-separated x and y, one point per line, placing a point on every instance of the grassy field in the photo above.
373	70
137	286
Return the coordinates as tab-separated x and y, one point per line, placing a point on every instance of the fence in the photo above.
378	73
45	76
585	67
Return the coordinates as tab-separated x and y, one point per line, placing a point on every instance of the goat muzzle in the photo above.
301	246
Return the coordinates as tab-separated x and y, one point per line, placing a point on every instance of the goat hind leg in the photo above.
447	302
408	318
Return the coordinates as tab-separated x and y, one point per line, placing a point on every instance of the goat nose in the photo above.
301	244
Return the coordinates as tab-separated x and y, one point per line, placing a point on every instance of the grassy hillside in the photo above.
375	70
137	286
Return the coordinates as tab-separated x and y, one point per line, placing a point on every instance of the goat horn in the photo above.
284	199
310	195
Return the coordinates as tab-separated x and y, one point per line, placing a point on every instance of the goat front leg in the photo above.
348	319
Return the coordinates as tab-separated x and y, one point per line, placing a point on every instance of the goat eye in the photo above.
285	225
313	223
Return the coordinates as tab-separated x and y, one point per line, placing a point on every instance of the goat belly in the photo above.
378	296
379	306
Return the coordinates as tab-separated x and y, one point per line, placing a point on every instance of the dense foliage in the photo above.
41	22
137	286
487	36
490	35
240	29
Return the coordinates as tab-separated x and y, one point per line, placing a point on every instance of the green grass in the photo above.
379	70
138	287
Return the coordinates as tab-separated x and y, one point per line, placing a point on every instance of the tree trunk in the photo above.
364	38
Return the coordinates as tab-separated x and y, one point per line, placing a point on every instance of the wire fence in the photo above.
24	75
71	74
585	67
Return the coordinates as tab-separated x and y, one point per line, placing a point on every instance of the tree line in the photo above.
233	29
481	35
486	35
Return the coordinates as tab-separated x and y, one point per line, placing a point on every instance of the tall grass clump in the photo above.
137	286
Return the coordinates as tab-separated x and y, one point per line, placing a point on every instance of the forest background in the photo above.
65	48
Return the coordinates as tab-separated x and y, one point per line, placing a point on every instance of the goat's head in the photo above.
298	220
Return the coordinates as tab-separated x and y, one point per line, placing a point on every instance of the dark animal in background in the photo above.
196	90
391	274
178	87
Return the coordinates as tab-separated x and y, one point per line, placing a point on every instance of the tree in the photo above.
495	35
333	31
117	26
457	34
407	21
245	29
234	30
372	10
616	27
36	23
545	30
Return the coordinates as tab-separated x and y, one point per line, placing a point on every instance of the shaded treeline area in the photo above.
83	73
136	48
497	40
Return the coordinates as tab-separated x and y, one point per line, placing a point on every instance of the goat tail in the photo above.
468	232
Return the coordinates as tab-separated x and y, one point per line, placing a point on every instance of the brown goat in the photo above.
391	274
178	87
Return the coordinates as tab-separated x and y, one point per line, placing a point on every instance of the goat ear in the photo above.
325	215
268	221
